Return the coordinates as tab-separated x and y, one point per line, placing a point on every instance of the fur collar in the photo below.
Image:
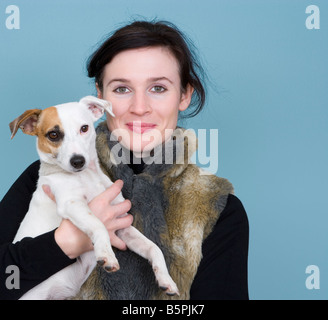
174	205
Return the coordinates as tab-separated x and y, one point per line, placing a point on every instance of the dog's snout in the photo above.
77	162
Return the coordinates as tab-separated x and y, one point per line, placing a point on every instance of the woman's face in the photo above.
144	87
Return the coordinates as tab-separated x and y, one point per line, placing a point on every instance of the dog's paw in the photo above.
105	256
109	265
171	290
166	283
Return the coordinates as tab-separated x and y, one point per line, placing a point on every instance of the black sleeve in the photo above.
36	258
222	273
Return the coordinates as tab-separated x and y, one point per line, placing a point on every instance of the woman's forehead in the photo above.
144	63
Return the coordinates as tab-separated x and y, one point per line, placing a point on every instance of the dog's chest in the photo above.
92	183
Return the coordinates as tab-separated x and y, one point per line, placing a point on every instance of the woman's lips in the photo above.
140	127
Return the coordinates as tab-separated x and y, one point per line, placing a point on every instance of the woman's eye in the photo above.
158	89
84	128
122	90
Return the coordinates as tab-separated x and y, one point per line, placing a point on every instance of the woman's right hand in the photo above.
74	242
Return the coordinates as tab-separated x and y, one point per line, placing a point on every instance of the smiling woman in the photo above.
151	77
142	34
144	88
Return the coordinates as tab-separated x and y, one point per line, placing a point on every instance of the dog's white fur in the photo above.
66	133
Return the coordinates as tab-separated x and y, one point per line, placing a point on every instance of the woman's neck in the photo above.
136	164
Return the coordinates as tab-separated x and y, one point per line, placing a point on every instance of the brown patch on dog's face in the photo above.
49	131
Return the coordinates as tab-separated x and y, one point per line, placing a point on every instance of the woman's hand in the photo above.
74	242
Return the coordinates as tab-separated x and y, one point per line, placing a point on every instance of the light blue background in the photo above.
270	106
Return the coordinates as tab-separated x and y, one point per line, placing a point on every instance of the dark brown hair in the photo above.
140	34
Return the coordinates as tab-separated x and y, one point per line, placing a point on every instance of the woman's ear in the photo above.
99	93
186	98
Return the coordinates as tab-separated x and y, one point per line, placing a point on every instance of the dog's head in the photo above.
65	133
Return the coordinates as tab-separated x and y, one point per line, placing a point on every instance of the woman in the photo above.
150	75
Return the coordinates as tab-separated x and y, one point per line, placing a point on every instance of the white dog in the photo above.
69	165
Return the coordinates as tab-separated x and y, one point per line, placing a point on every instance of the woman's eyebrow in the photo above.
117	80
155	79
152	79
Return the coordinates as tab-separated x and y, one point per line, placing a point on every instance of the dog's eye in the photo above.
84	128
53	135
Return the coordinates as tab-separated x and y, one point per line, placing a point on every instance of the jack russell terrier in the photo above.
69	165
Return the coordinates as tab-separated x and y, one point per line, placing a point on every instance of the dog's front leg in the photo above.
106	182
141	245
78	212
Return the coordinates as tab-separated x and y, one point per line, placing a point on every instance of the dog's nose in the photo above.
77	161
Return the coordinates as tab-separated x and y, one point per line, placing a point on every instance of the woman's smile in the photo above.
140	127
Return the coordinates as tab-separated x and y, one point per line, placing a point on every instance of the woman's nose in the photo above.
140	104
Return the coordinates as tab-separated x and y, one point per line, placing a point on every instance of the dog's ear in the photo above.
97	106
27	122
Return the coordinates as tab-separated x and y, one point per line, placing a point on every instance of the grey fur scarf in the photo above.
173	204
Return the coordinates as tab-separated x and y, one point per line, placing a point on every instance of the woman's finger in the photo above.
121	208
112	192
117	242
47	190
120	223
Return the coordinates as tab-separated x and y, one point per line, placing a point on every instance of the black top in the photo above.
222	273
